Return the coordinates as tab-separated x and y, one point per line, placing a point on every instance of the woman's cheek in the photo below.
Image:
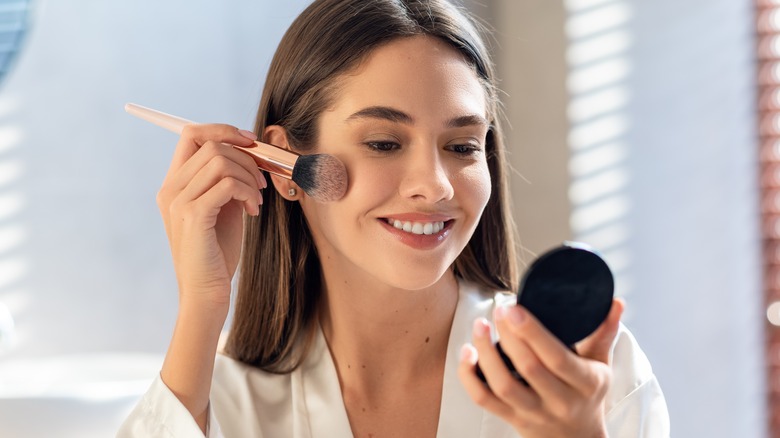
373	178
474	182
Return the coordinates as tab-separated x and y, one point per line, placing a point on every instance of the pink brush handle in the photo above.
268	157
161	119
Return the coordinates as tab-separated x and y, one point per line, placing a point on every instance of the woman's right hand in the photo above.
207	188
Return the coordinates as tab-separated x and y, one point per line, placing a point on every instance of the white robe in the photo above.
307	403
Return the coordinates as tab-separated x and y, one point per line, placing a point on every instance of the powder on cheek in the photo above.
375	180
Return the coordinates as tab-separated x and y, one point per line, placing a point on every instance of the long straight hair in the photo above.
280	281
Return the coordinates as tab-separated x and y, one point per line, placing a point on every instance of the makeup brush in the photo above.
321	176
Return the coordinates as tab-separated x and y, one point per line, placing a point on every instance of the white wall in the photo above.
660	174
90	268
695	241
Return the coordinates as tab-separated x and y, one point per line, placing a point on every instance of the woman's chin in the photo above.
419	279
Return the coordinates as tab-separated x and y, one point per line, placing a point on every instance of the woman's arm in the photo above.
208	187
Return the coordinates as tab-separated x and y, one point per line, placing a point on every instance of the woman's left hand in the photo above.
566	393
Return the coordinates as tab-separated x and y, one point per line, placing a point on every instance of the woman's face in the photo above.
410	125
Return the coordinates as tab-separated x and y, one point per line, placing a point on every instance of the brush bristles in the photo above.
321	176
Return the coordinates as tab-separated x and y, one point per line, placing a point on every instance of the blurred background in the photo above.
633	127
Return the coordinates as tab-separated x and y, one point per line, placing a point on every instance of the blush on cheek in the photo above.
375	179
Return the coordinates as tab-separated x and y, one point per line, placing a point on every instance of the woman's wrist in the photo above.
204	309
189	363
204	302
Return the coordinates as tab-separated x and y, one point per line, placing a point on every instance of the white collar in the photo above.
318	402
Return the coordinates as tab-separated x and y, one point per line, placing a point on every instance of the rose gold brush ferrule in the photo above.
267	156
271	158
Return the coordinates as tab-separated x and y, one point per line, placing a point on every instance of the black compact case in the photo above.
569	289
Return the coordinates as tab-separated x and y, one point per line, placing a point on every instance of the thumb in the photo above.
597	346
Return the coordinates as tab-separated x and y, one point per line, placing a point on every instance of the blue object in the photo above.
14	16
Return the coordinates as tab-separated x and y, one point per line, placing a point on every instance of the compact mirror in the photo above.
569	289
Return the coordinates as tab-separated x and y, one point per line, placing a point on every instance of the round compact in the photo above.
569	289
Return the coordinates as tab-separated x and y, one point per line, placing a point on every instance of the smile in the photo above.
417	227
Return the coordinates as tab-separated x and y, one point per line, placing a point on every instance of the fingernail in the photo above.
499	313
468	354
515	315
248	134
481	328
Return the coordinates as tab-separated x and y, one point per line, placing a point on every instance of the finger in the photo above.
204	209
556	356
217	169
245	161
475	388
598	345
196	135
552	390
201	187
500	380
180	178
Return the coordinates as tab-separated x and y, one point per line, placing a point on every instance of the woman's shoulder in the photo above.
635	400
626	354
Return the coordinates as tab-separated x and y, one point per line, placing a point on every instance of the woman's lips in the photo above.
415	227
416	236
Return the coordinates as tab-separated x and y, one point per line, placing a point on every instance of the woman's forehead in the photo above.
411	73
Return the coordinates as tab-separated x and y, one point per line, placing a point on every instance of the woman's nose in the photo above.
426	178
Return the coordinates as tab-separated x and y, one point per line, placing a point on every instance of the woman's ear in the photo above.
277	136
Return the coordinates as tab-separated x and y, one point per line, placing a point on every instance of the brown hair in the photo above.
280	278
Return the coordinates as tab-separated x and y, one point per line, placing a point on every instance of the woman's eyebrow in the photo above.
398	116
467	120
384	113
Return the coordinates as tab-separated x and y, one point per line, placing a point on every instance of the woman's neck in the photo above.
380	336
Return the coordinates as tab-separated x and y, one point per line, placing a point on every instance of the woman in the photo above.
350	315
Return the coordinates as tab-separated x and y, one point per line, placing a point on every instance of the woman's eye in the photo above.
464	149
383	146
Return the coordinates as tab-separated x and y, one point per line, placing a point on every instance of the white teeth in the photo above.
417	227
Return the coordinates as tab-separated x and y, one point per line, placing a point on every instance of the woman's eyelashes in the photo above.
465	149
460	149
383	146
